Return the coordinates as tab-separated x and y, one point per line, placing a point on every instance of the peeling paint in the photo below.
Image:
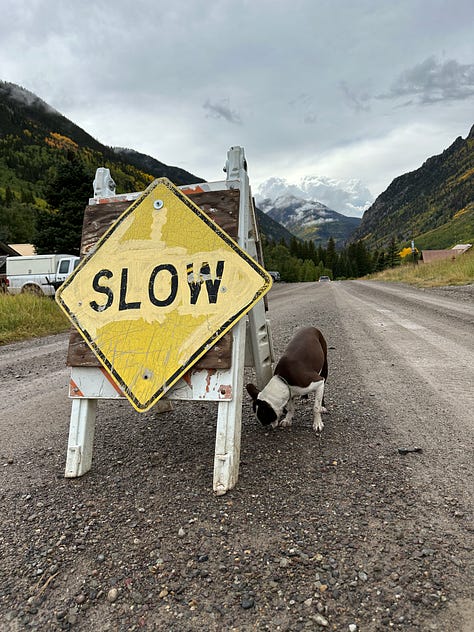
226	391
210	373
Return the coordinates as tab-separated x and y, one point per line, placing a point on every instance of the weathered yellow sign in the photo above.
163	284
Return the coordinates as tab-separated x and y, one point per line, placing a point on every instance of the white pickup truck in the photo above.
38	274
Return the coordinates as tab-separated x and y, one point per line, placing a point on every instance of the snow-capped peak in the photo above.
348	197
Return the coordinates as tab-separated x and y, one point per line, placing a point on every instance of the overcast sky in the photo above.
364	89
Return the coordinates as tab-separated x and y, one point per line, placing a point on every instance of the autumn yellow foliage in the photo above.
462	211
468	174
59	141
406	251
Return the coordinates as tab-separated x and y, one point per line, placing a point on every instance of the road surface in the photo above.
320	533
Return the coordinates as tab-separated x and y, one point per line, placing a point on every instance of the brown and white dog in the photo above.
302	369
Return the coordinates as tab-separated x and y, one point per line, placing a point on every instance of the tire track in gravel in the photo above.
400	374
421	378
35	348
33	380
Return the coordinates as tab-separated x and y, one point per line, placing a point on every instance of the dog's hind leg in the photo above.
318	424
324	375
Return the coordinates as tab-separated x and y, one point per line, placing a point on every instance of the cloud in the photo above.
303	104
432	81
222	110
301	99
358	101
349	197
310	118
186	89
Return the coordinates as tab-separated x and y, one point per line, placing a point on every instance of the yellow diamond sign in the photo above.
163	284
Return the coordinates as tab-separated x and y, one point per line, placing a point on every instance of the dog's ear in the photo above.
252	391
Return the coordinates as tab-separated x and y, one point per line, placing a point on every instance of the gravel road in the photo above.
341	532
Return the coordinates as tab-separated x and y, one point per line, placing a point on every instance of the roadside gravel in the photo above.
338	532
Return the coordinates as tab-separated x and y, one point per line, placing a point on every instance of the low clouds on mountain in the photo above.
24	96
349	197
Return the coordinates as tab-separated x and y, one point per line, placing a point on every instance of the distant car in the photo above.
324	279
275	275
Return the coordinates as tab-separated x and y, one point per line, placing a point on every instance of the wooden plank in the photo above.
258	242
220	206
97	219
218	357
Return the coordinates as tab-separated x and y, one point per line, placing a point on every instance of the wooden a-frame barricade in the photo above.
218	375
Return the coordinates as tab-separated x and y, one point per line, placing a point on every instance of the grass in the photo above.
26	316
435	274
458	230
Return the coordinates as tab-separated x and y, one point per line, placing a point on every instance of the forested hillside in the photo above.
36	141
42	152
433	205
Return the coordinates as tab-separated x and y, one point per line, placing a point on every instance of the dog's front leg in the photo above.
318	424
288	419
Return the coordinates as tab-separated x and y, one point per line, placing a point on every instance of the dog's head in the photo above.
262	409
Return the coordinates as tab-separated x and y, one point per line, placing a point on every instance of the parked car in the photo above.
324	279
275	275
38	274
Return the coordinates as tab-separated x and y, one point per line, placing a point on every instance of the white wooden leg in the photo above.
229	420
260	341
81	437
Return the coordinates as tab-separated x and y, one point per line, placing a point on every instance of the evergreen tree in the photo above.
343	266
363	259
295	247
308	271
336	266
354	261
9	196
59	228
26	197
17	223
311	251
380	263
321	254
330	253
393	258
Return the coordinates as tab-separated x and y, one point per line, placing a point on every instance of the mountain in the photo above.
35	139
434	205
310	220
154	167
349	197
272	230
